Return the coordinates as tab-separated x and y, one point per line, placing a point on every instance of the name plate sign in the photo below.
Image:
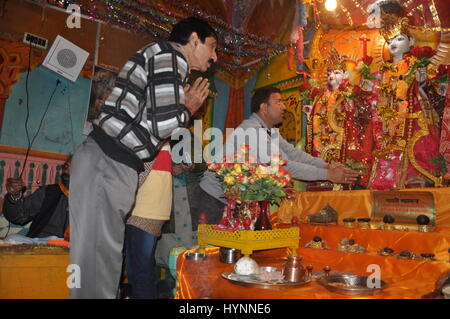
403	206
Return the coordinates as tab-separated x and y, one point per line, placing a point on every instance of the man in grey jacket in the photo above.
151	99
265	140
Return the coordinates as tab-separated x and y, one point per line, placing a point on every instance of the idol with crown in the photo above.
407	124
339	131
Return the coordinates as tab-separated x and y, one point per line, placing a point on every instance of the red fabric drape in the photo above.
235	114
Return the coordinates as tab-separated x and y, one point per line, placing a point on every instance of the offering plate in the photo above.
252	281
350	285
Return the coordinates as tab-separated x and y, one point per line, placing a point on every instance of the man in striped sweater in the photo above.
151	99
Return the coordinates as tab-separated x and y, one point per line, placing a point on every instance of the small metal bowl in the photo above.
350	285
229	255
196	256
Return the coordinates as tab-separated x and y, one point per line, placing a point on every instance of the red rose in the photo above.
305	86
442	69
428	52
415	51
367	59
423	52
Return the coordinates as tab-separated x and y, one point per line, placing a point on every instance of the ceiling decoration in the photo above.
239	48
251	32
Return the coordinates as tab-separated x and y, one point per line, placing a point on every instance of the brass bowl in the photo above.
352	285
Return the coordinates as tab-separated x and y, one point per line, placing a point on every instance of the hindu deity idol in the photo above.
339	131
406	129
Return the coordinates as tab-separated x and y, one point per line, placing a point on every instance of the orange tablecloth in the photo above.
356	204
406	278
437	242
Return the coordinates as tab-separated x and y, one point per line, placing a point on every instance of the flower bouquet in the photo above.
249	188
364	67
308	95
420	58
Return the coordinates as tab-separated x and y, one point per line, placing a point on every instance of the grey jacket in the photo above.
300	164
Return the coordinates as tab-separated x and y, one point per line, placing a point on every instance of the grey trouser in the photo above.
102	192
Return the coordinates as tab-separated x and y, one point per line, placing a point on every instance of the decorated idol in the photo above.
407	134
340	130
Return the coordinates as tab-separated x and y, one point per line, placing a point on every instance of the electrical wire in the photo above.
39	127
26	120
30	142
28	106
70	116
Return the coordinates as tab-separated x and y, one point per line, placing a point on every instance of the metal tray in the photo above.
259	284
357	285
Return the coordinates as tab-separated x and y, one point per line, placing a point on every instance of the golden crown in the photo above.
335	61
392	26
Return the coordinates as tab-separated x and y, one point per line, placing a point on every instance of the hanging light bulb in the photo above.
330	5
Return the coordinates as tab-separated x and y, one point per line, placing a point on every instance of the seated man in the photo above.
268	112
47	208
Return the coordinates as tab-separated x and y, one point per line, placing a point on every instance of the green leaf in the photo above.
364	71
277	201
260	197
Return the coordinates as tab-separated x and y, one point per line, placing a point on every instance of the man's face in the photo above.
65	174
275	109
399	45
336	77
204	54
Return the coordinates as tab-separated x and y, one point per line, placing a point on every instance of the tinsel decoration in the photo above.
156	20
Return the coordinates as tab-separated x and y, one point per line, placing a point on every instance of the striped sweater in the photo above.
145	106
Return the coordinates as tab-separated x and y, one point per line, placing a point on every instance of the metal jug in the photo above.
293	270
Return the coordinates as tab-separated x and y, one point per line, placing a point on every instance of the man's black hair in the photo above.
262	95
184	28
